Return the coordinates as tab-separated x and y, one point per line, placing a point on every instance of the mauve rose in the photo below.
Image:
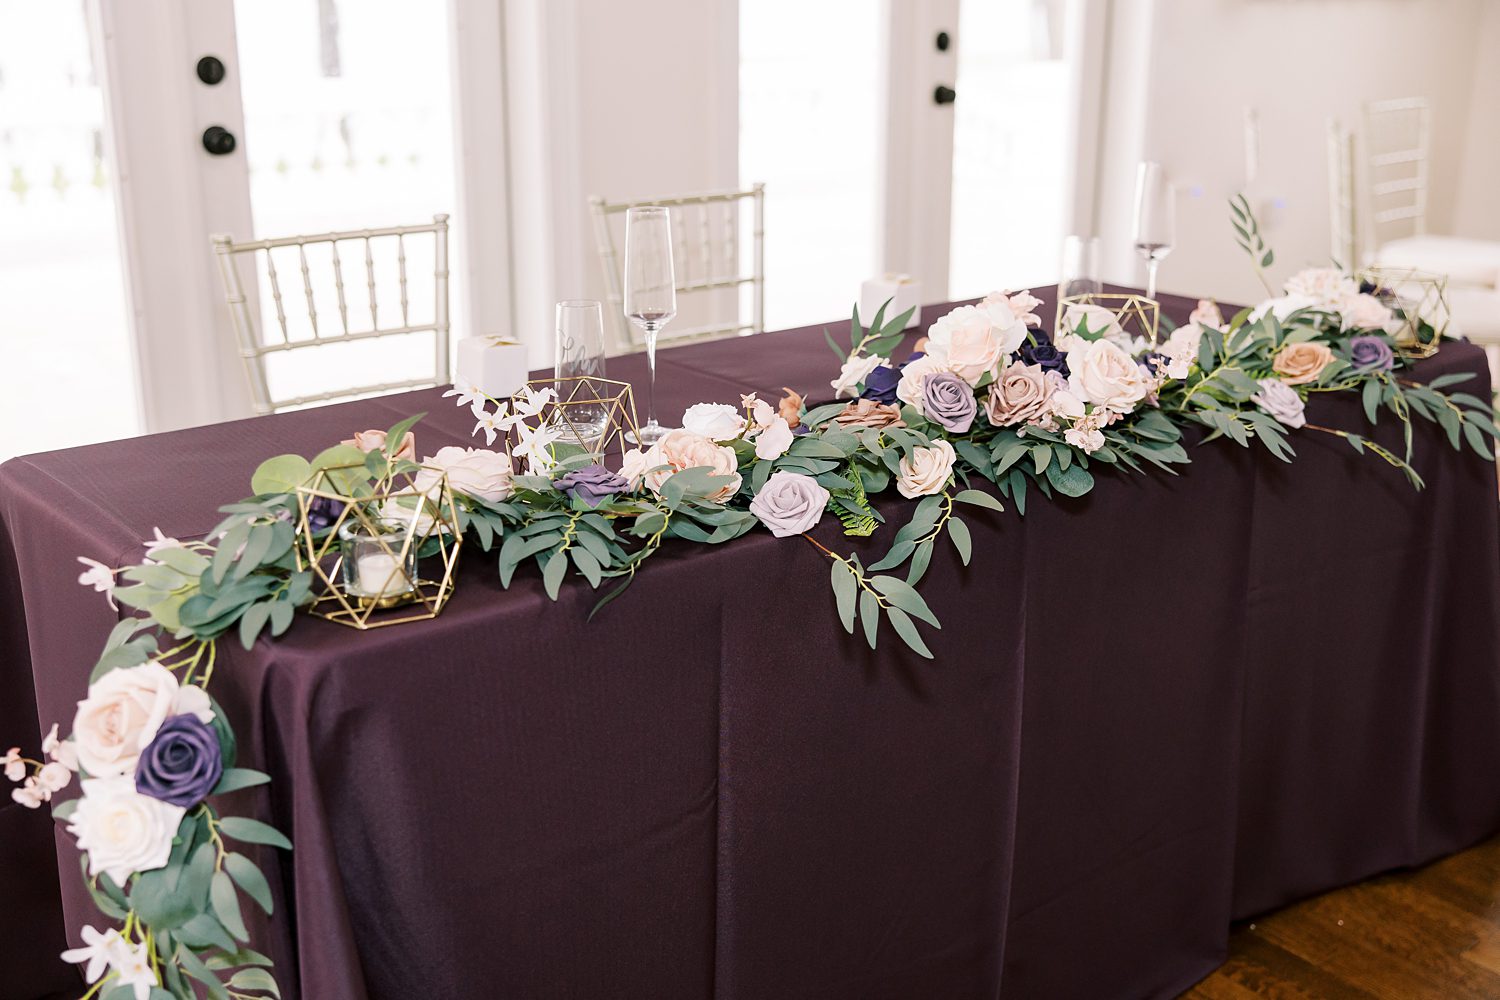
1020	395
594	483
790	503
868	413
1371	354
880	384
947	399
182	764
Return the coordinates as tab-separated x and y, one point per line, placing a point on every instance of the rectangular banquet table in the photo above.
1174	702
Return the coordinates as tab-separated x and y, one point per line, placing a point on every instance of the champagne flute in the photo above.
580	358
650	295
1155	219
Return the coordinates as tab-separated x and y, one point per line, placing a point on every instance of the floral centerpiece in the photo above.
987	409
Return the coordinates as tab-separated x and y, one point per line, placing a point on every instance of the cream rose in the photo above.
1020	395
854	371
972	340
1284	306
471	471
122	830
1366	312
682	449
716	421
1103	374
927	471
633	467
1301	363
122	713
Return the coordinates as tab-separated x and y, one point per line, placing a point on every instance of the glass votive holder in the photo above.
379	561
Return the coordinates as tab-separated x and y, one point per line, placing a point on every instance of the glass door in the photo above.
1011	146
64	336
348	108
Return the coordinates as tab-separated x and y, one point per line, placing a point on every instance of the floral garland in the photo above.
988	395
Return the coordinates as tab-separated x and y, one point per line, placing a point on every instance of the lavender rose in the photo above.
182	764
947	399
1371	354
594	483
790	503
1280	401
880	384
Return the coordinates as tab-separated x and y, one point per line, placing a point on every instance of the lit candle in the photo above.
379	574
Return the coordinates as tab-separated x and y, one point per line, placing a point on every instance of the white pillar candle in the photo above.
378	574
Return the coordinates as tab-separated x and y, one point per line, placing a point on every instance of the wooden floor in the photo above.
1433	933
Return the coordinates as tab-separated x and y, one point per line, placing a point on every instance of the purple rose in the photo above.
322	512
1371	354
593	483
947	399
1040	350
182	764
880	384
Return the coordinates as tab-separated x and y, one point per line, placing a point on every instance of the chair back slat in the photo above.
255	350
338	284
276	296
1397	140
312	307
707	261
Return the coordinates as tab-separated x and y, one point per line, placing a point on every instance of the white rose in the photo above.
1366	312
854	371
122	830
123	711
682	449
633	467
927	471
471	471
1284	306
715	421
909	389
1103	374
1327	286
972	340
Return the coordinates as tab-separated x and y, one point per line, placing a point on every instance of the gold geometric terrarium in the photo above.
379	556
1137	315
586	411
1419	301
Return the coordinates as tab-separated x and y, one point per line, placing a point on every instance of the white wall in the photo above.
623	100
1477	206
1298	64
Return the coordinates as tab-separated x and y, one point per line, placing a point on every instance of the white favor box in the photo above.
497	366
904	292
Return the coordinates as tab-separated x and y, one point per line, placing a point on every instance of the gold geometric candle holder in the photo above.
1137	315
1419	300
402	530
587	411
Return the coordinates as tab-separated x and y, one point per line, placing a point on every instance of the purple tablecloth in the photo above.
1176	701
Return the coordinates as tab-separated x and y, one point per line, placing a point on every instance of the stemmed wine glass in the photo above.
1155	219
650	294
